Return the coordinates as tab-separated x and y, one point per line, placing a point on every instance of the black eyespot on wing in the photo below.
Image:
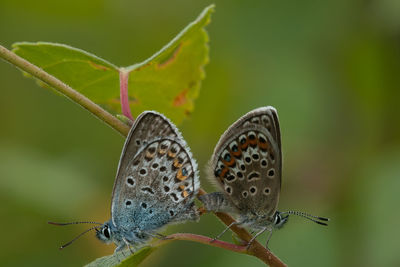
247	159
173	149
163	169
267	191
130	181
253	175
144	205
128	203
255	156
154	166
271	155
164	146
173	195
165	178
271	173
227	157
143	171
230	177
184	171
166	188
148	190
171	212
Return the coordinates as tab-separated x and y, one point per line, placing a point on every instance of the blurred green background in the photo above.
331	68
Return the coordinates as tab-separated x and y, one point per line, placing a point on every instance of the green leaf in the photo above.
84	72
168	82
116	259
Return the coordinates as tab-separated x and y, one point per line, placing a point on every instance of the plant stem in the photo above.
204	240
64	89
123	87
256	249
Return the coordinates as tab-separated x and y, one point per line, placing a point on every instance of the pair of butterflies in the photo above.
157	179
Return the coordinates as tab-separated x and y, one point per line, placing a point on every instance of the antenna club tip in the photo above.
322	223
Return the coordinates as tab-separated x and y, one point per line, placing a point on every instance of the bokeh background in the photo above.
331	68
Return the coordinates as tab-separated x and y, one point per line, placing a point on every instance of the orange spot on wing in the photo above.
177	164
180	99
263	146
185	193
237	153
179	175
245	145
252	142
223	172
229	163
171	155
162	152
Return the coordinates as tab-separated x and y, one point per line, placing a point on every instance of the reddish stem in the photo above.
207	241
123	86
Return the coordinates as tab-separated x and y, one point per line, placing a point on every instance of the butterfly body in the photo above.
247	166
156	183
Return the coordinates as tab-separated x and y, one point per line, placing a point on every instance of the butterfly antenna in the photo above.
81	234
316	219
69	223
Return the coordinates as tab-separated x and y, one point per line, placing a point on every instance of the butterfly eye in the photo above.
106	232
277	219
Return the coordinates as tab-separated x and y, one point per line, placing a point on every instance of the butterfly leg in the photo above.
269	237
118	249
159	236
226	229
128	245
255	236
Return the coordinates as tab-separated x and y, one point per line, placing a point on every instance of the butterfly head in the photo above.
280	220
105	232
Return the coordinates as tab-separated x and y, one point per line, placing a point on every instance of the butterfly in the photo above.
156	183
247	166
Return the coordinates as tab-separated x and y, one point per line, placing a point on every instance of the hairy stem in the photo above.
256	249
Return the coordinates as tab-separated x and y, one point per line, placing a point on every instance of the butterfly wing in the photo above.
157	178
247	162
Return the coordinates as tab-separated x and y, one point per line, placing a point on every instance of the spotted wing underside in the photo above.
154	156
247	162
